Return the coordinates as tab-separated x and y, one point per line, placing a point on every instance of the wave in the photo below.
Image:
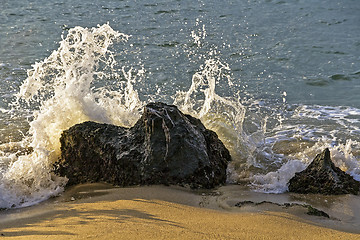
82	80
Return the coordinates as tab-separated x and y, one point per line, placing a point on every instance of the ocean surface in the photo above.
278	80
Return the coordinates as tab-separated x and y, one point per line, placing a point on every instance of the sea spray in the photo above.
223	114
62	84
82	80
295	146
61	87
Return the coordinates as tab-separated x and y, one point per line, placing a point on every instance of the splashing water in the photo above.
267	148
82	81
224	115
61	85
293	147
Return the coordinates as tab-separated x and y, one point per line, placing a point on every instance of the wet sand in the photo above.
100	211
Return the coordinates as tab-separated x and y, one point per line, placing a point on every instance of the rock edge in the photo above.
323	177
165	146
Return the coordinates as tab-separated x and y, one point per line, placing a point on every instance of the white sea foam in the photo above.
61	85
267	145
276	182
301	140
2	110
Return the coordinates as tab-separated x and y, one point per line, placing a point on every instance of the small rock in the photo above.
316	212
323	177
240	204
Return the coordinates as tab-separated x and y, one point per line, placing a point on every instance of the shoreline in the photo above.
100	210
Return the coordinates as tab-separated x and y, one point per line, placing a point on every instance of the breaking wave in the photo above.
82	80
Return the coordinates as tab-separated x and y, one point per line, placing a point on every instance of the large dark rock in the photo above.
321	176
163	147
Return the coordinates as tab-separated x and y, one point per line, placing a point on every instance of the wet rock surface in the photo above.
165	146
310	209
323	177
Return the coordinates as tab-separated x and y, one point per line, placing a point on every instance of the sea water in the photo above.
278	81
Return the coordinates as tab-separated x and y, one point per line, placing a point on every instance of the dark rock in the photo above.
310	209
321	176
242	203
163	147
90	153
316	212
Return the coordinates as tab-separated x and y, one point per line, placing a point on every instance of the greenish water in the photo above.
277	80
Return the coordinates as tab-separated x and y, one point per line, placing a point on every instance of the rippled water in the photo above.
277	80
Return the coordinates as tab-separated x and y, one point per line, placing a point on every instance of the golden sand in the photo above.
103	217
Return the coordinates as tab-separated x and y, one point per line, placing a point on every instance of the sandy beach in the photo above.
100	211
